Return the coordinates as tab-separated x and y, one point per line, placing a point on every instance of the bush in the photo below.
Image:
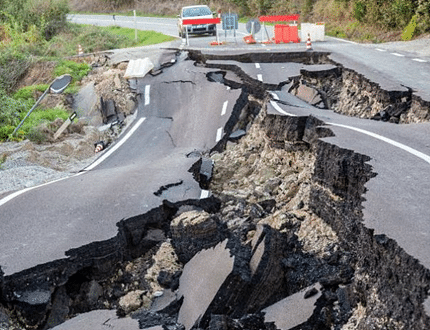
359	11
76	70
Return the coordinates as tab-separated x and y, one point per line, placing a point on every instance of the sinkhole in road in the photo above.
282	233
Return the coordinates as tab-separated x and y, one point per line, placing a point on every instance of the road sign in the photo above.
253	26
230	21
65	125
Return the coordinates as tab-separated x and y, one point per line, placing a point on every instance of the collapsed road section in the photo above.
281	243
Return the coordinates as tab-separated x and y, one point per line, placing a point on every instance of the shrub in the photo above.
359	11
76	70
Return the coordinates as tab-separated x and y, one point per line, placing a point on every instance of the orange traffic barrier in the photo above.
286	33
249	39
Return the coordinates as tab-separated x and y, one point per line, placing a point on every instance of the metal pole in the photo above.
186	34
31	110
135	25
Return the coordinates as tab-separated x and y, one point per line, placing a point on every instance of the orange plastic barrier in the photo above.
286	33
279	18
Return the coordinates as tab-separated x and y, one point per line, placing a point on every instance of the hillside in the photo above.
360	20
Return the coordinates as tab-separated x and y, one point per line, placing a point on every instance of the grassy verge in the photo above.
94	39
14	104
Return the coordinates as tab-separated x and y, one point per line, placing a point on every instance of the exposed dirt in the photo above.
287	206
25	164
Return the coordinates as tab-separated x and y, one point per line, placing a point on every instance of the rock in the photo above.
95	290
117	81
130	302
193	231
60	308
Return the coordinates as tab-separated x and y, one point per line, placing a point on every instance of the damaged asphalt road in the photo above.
40	225
146	195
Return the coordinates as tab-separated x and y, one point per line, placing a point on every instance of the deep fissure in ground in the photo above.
279	186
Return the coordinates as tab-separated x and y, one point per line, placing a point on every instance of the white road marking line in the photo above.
228	88
381	50
97	162
419	60
20	192
260	77
278	108
397	54
350	42
257	65
219	134
204	194
387	140
147	94
116	146
412	151
275	96
224	108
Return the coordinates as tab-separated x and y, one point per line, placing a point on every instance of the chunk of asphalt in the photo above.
99	320
206	169
293	310
34	298
236	135
201	279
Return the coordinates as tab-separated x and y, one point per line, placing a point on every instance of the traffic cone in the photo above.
99	146
80	50
309	43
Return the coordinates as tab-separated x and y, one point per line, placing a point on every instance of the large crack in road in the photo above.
280	243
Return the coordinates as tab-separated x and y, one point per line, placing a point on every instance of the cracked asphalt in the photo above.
174	119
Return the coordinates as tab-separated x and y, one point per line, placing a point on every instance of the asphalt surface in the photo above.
184	112
178	115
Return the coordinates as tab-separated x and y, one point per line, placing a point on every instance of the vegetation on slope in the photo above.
37	30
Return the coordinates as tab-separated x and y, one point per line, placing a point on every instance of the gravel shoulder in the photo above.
26	164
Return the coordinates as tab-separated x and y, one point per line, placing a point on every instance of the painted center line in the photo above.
257	65
147	94
260	77
224	108
381	50
219	134
410	150
419	60
397	54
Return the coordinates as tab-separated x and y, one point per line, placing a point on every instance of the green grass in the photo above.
14	106
94	39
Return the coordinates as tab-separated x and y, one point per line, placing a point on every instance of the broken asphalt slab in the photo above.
293	310
100	320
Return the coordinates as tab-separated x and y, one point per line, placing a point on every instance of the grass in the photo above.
14	106
94	39
125	13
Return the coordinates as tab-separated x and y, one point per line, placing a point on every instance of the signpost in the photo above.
230	22
57	87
